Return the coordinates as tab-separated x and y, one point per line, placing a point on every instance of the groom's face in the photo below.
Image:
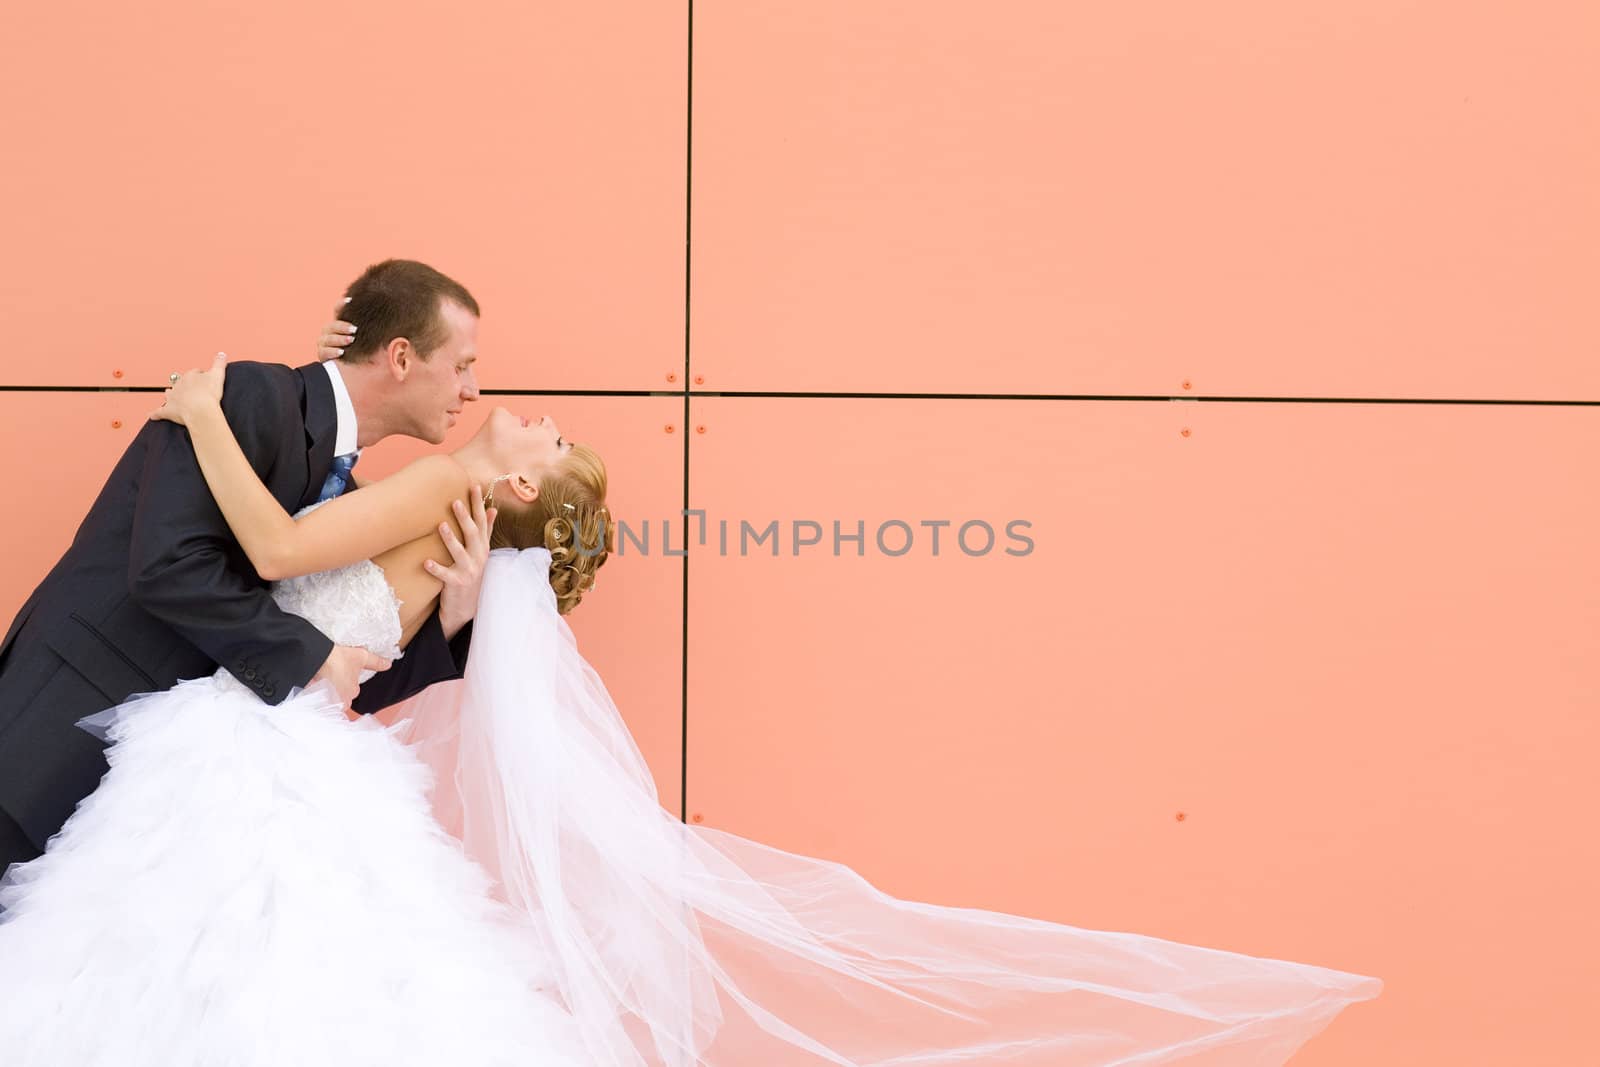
437	388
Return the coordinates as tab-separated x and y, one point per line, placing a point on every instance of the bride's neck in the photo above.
479	465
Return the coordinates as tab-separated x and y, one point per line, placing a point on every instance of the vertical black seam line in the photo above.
688	265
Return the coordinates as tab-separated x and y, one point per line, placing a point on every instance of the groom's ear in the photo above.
398	358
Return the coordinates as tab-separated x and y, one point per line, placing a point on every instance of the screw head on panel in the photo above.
697	817
699	379
116	424
116	373
1185	431
672	377
671	428
699	429
1187	384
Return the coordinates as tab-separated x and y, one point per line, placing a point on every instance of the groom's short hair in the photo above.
400	298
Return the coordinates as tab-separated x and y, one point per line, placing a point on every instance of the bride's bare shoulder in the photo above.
435	478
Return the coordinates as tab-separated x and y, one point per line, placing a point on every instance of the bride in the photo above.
268	885
257	885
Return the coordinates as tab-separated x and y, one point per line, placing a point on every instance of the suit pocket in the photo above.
106	666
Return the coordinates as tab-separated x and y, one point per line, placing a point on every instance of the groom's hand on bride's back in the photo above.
344	666
461	581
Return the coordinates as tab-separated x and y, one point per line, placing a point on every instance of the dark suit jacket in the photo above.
155	588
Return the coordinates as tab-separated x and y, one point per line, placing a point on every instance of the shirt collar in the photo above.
344	439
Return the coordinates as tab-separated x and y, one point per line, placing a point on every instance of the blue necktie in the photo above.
338	479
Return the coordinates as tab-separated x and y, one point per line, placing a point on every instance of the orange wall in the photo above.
1300	667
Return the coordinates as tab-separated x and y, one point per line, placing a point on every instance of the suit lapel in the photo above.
322	425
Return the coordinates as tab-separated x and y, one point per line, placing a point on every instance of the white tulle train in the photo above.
683	945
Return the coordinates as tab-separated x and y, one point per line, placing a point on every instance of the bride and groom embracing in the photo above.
264	877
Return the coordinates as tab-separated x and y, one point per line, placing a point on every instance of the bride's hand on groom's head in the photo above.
336	335
193	393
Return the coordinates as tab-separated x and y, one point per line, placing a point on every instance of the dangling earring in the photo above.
488	498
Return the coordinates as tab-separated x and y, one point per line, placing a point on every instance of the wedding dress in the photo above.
254	885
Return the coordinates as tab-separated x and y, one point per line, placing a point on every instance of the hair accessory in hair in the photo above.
568	506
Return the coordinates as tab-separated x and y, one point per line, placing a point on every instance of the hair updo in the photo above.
580	537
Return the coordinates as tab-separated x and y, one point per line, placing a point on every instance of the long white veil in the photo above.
679	945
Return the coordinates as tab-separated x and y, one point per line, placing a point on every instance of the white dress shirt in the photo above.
344	439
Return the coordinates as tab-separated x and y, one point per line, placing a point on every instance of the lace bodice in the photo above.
353	605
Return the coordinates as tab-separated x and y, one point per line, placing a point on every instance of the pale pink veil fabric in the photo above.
679	945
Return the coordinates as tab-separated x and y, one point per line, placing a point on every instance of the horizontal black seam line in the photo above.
1147	398
482	392
751	394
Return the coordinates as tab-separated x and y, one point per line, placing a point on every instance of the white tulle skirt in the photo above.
682	945
255	885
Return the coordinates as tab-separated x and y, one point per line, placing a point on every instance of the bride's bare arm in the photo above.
355	526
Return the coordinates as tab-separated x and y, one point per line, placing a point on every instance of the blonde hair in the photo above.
570	518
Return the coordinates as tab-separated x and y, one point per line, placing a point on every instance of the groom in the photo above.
155	588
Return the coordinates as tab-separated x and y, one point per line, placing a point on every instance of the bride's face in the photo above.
527	445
